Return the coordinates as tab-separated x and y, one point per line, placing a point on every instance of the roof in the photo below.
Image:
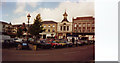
84	18
17	25
65	14
65	20
49	22
3	22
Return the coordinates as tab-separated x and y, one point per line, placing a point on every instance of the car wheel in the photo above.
54	46
67	45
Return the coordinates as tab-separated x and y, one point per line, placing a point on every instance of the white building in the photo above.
64	27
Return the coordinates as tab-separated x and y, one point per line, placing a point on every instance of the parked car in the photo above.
55	44
80	43
22	45
91	41
17	41
62	42
84	40
44	44
68	44
8	43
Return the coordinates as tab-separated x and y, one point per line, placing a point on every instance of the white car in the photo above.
18	40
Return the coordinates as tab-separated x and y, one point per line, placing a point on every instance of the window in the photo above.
88	25
64	24
53	25
67	28
61	28
53	30
83	30
48	25
84	25
75	25
64	28
79	25
48	30
3	26
88	30
44	26
92	25
80	30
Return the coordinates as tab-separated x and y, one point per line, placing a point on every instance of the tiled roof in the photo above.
48	22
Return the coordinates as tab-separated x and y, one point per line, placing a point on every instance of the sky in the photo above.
16	12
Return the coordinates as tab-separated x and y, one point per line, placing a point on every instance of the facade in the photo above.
15	28
1	26
7	29
64	27
83	26
50	29
23	26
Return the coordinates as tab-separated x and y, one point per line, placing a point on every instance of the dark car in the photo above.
22	45
69	44
44	44
8	43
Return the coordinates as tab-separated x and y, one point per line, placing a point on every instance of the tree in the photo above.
37	27
19	32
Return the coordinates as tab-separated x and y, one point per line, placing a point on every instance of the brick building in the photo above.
83	25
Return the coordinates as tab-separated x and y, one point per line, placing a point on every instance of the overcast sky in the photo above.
16	12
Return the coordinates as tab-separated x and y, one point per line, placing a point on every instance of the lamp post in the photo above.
76	36
28	16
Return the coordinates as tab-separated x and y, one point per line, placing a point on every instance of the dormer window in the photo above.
64	24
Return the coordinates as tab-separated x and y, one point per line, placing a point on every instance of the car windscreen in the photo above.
53	42
42	41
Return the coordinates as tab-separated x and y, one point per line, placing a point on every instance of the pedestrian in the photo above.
73	40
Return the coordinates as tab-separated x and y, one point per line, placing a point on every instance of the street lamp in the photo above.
28	16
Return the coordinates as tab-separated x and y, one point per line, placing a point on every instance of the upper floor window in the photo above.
53	25
48	30
75	25
53	30
83	24
67	28
88	25
61	28
3	26
64	28
44	26
88	30
92	25
64	24
48	25
83	30
79	30
79	25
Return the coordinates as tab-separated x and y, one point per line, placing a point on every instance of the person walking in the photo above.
73	40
